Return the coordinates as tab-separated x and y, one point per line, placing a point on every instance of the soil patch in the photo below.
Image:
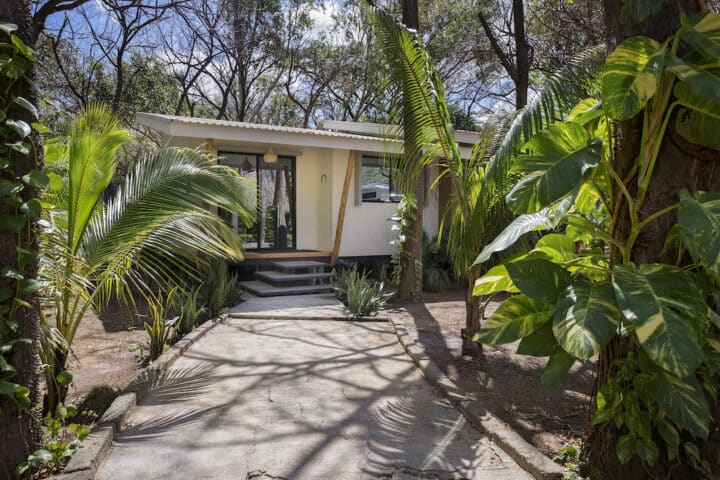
504	382
103	363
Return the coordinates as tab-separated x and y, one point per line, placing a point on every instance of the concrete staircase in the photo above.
291	277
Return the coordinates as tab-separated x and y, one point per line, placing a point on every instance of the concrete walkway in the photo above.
300	399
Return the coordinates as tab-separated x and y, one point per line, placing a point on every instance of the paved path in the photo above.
300	399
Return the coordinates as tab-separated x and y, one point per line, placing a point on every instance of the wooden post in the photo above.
343	205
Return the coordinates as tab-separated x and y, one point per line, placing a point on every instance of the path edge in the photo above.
97	446
524	453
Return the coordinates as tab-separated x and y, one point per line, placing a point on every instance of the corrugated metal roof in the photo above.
252	126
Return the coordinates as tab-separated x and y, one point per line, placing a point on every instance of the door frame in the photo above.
293	197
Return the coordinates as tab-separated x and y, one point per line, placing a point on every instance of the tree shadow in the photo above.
298	400
501	381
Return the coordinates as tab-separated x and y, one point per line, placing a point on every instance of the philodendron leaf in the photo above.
497	279
683	400
560	156
558	366
586	318
539	279
545	219
540	343
586	111
515	318
699	222
664	305
704	34
698	128
630	77
700	81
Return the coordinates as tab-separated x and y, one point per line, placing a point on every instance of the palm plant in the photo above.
146	237
477	211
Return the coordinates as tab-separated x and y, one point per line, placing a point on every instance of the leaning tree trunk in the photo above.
473	315
679	165
19	432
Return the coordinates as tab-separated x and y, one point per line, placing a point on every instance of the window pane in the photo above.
376	181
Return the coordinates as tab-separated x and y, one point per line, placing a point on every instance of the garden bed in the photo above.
104	364
506	383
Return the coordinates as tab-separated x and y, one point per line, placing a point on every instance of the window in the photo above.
376	181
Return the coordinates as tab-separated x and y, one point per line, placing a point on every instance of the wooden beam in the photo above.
293	254
210	146
343	205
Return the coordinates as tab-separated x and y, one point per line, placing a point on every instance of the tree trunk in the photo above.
679	165
473	318
19	431
411	281
522	56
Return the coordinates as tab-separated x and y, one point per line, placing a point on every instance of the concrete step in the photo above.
283	279
293	265
263	289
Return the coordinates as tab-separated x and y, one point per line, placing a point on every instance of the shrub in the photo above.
436	264
189	311
220	289
160	330
62	441
362	296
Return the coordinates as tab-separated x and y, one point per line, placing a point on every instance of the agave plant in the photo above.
146	238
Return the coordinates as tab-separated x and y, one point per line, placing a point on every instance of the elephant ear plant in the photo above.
146	237
579	290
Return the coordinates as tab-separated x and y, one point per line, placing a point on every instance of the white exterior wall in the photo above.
320	175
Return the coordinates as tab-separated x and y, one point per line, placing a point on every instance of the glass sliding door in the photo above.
275	225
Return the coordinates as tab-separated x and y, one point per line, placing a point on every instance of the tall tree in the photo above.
679	165
515	58
19	431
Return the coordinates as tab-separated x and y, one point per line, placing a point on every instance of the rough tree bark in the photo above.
411	281
679	165
20	432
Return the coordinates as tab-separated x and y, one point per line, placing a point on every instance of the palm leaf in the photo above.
425	119
558	95
93	142
161	218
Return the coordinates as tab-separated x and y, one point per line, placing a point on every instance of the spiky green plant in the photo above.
147	236
476	211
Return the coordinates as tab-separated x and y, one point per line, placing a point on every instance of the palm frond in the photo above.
575	81
427	128
161	218
94	139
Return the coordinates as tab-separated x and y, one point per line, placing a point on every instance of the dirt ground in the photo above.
507	384
103	363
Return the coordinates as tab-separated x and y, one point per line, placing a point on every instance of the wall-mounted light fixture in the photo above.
270	156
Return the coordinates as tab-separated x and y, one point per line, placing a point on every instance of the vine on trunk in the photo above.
19	202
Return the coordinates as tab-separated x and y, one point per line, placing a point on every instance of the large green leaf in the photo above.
560	156
545	219
495	280
515	318
540	343
539	279
663	304
559	364
630	77
683	400
700	83
699	222
704	34
586	318
698	128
